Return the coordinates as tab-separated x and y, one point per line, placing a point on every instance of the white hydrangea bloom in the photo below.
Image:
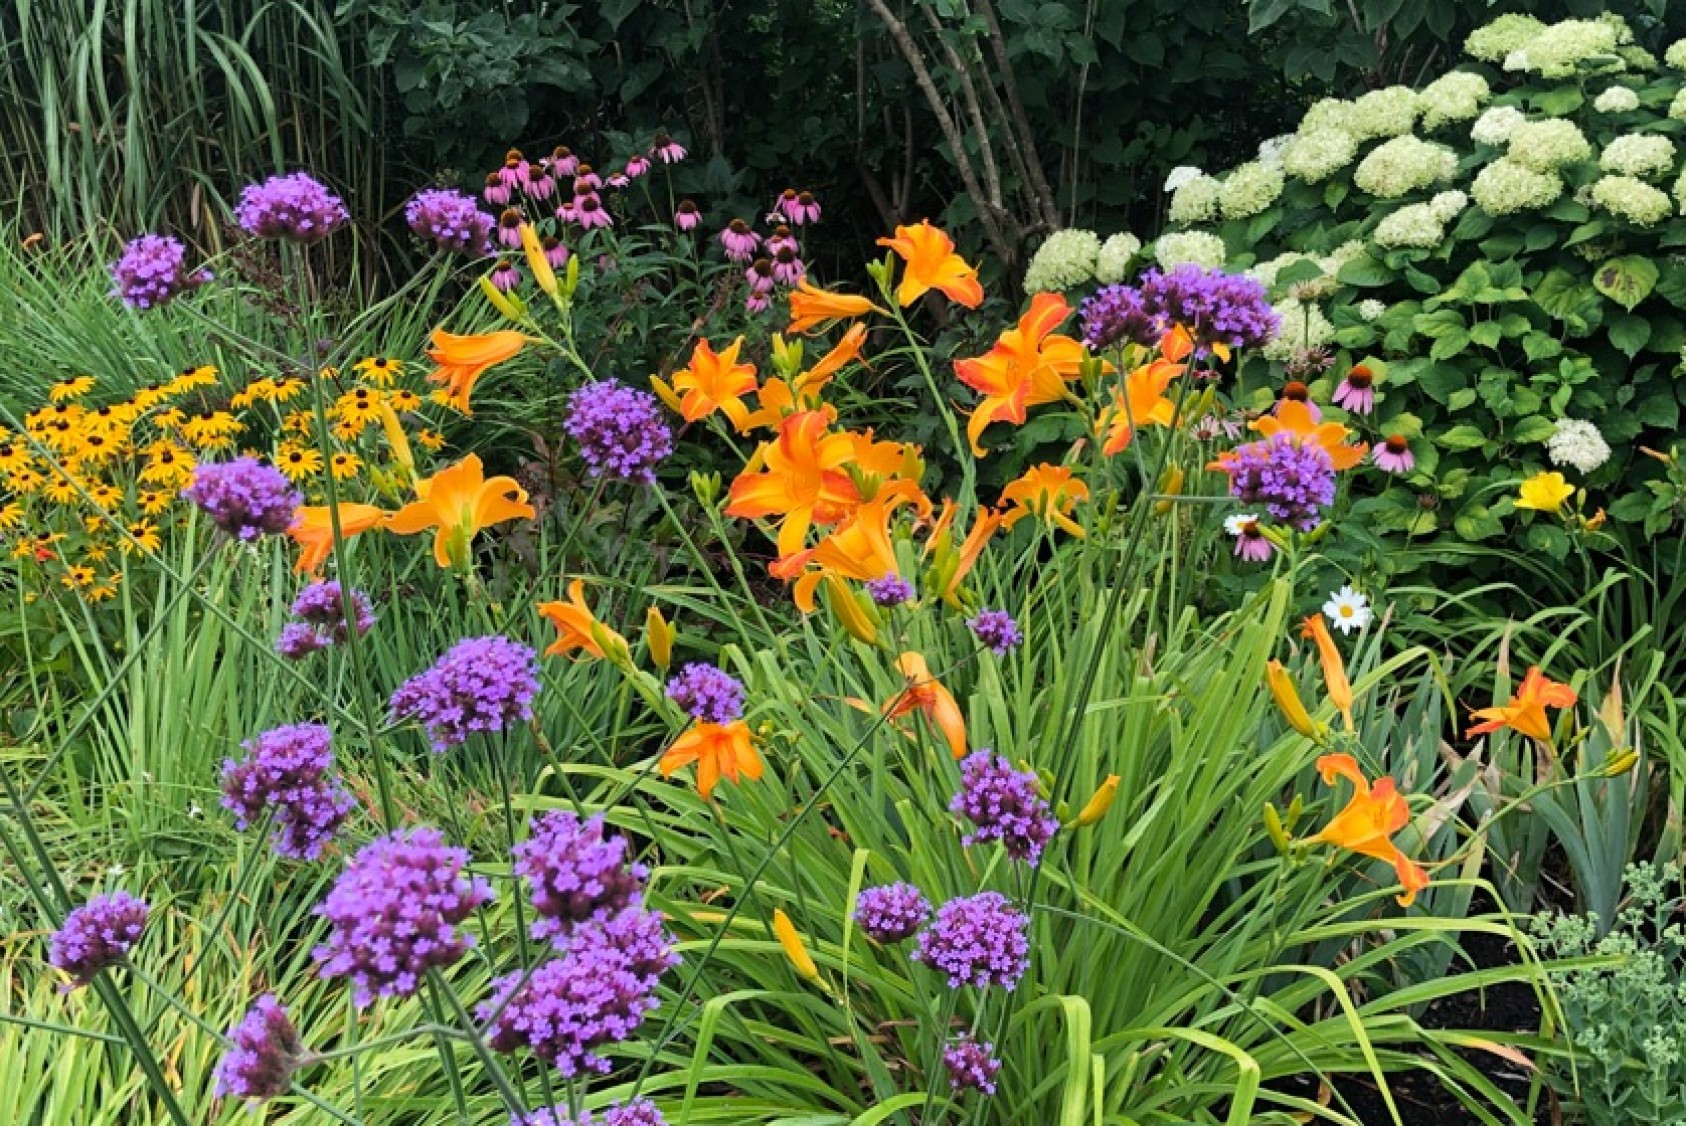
1638	154
1495	126
1113	262
1195	201
1414	226
1505	187
1181	175
1404	165
1675	56
1680	192
1578	444
1516	61
1271	148
1317	155
1677	108
1453	97
1371	309
1198	247
1506	34
1624	33
1554	52
1341	255
1265	272
1633	200
1637	58
1547	145
1303	327
1328	113
1389	112
1249	189
1449	205
1616	99
1064	261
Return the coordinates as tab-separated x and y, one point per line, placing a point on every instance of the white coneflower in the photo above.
1347	610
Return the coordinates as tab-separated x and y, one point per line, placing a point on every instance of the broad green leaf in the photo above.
1627	280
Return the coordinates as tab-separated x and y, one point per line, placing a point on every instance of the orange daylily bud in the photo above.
1288	700
793	946
1095	809
1334	670
658	638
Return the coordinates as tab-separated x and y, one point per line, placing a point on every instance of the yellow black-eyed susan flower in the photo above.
68	390
345	466
151	502
298	462
143	536
78	575
379	370
404	400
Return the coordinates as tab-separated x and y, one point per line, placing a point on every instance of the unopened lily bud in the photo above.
858	620
706	488
1105	794
793	946
1334	669
395	437
1287	699
1619	763
507	304
1273	826
1170	485
536	261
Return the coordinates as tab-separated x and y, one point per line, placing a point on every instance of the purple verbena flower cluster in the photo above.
709	694
323	619
451	221
1216	307
971	1065
96	935
152	270
1291	479
286	774
977	940
578	875
394	912
1005	805
244	497
480	684
266	1051
622	432
891	912
1115	314
997	630
889	590
638	1112
295	207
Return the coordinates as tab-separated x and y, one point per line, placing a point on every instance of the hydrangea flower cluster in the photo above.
1638	154
1495	126
706	693
1548	145
266	1051
1199	248
1249	189
1067	259
152	270
1632	200
1510	32
1112	264
481	684
295	207
1414	225
578	875
394	914
1456	96
1505	187
1194	200
638	1112
1388	112
1577	443
621	432
324	617
977	940
1004	804
971	1065
1215	307
889	590
244	497
1315	155
1404	165
1556	50
451	221
97	935
997	630
891	912
1305	328
286	774
1292	480
1616	99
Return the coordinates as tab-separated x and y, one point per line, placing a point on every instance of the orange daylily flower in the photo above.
719	750
462	360
933	264
714	381
1369	821
799	477
925	694
577	628
1027	366
459	502
1526	712
774	401
1177	345
1047	491
810	305
1141	403
812	381
860	549
1334	669
313	530
952	566
1293	418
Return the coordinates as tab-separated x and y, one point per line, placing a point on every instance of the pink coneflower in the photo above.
514	169
806	209
740	242
537	182
1296	392
636	166
505	276
757	302
585	180
589	212
563	162
760	276
554	252
509	228
1393	455
617	180
1251	546
787	267
686	216
667	150
1210	427
495	191
785	205
1357	392
781	238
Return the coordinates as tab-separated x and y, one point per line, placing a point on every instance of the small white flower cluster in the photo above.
1632	200
1371	310
1318	154
1452	97
1677	108
1414	225
1195	201
1508	33
1547	145
1390	112
1680	192
1449	205
1638	154
1616	99
1199	247
1265	273
1249	189
1066	260
1495	125
1113	262
1578	444
1505	187
1675	56
1181	175
1404	165
1304	327
1271	149
1557	51
1329	113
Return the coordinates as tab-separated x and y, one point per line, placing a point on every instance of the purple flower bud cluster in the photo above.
889	590
977	940
997	630
244	497
638	1112
971	1065
480	684
96	935
891	912
709	694
451	221
1005	805
394	912
295	207
323	618
578	875
266	1051
1115	314
621	431
1292	480
1215	307
152	270
287	774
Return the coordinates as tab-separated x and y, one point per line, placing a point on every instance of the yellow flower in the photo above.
77	576
403	400
260	390
105	589
190	379
1105	794
1544	492
794	949
212	430
13	456
1287	698
1048	491
298	462
1366	826
143	535
430	440
66	390
360	405
11	515
298	422
345	466
104	495
24	480
379	370
63	489
811	306
287	390
168	465
659	636
152	501
713	381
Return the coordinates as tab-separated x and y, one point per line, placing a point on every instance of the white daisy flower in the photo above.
1347	610
1236	524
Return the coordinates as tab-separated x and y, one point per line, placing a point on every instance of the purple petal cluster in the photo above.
480	684
577	874
152	270
1116	314
96	935
1005	805
287	774
244	497
1292	480
708	694
596	994
324	617
638	1112
621	431
451	221
889	590
977	940
971	1065
295	207
266	1051
1215	307
891	912
394	912
996	629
